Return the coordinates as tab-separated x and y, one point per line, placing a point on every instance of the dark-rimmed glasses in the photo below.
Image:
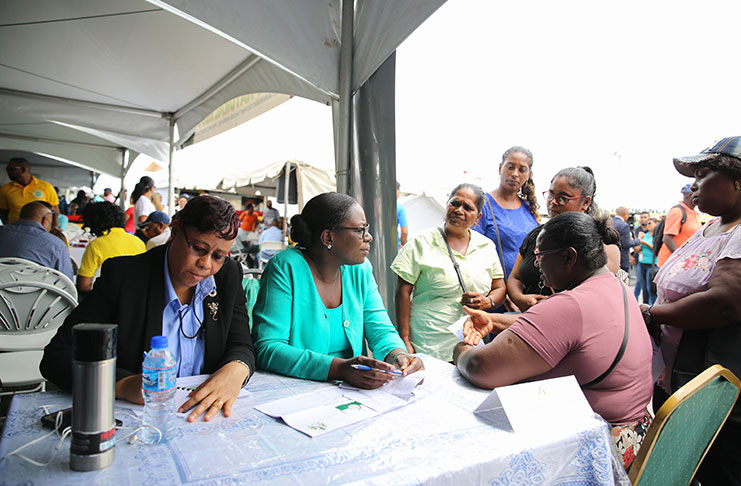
560	198
363	231
201	252
539	254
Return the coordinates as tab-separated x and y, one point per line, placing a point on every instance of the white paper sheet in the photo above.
331	408
538	405
457	329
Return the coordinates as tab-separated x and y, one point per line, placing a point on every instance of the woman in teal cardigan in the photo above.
319	302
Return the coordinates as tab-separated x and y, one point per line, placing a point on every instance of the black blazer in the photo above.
130	292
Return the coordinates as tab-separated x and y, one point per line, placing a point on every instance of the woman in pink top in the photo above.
578	331
698	304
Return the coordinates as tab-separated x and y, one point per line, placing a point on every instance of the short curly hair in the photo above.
100	217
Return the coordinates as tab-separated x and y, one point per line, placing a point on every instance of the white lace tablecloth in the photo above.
434	440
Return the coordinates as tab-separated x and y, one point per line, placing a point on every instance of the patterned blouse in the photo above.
688	270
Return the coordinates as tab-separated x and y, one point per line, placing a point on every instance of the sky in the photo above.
620	87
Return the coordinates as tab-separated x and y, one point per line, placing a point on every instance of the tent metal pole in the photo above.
342	157
171	171
124	157
286	180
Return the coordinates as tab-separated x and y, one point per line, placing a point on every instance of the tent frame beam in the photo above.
57	141
85	104
242	68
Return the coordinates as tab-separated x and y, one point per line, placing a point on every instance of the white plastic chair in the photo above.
270	246
34	301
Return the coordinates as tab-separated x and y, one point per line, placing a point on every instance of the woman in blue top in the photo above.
319	303
511	210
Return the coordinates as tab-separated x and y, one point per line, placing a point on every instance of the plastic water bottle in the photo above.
159	372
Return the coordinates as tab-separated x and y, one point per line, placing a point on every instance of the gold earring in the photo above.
736	185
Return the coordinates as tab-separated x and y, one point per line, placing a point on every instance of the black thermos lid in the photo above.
94	342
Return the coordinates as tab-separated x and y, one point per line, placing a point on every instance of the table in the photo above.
433	440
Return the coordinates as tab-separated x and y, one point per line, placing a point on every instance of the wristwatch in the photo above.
647	315
490	301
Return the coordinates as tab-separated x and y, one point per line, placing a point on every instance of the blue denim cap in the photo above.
727	146
155	217
686	189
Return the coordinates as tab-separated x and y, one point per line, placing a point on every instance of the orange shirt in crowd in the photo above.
248	221
672	227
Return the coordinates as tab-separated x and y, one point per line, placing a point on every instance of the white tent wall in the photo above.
423	212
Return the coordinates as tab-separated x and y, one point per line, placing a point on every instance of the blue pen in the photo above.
368	368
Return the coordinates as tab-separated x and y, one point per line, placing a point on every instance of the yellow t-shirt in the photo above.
14	196
116	243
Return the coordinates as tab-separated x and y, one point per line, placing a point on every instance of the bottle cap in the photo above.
159	342
94	342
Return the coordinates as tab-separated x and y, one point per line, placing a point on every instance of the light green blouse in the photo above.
291	328
425	262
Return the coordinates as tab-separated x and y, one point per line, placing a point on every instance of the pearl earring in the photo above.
329	247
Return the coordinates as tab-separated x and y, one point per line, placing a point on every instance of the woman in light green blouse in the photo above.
429	293
319	302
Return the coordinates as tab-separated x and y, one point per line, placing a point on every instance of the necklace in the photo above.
198	333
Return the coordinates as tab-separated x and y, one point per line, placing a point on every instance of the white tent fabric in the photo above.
123	70
423	212
21	133
311	181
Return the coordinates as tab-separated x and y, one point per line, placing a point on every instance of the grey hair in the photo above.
480	195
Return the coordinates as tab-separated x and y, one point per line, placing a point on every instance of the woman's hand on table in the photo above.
474	300
408	364
218	392
368	379
130	389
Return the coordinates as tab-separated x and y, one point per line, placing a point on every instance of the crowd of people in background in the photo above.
548	297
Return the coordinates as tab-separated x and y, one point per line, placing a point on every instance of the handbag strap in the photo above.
620	352
499	241
455	263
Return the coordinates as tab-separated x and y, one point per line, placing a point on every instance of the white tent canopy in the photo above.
142	74
310	180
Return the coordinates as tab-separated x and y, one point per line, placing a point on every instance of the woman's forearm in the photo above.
709	309
403	308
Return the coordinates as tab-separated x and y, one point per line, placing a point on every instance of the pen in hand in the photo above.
368	368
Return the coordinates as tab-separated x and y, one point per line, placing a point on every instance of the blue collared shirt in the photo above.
28	239
189	353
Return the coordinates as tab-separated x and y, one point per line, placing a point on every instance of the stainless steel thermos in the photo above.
93	395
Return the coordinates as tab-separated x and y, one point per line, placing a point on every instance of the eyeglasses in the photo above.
363	231
539	254
201	252
560	199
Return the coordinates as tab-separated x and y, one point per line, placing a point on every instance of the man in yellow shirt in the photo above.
106	221
22	189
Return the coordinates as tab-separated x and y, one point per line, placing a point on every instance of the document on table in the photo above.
184	386
535	406
457	329
332	408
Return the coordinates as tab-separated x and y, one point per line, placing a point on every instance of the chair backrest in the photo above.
34	301
684	429
272	245
16	261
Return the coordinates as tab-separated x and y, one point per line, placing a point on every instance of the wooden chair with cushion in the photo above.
684	429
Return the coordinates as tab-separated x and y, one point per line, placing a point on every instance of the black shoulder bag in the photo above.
452	259
620	352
